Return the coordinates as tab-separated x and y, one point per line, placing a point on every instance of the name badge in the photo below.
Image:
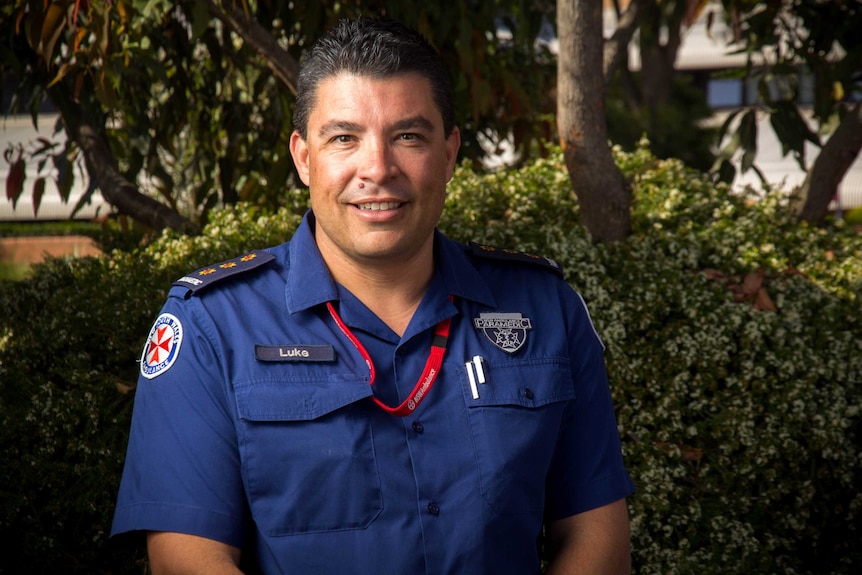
291	352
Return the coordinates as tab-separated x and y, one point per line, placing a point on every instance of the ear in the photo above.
453	144
299	151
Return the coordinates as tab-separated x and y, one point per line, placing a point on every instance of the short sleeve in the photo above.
182	469
587	469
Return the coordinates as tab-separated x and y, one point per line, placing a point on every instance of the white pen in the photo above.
480	371
473	388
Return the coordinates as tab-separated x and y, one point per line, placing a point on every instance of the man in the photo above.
371	397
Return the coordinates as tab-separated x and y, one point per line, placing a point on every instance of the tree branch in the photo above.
282	64
831	165
102	167
118	191
616	46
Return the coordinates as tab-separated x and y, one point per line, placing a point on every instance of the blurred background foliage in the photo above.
733	354
732	329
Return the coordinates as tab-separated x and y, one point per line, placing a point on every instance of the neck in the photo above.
392	291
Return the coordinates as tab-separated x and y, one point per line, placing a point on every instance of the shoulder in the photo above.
219	273
506	256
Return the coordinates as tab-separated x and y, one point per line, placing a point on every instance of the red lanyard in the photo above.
429	374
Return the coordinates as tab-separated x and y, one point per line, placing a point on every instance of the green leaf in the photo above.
33	28
831	124
792	130
45	145
65	177
38	192
722	132
84	199
726	172
748	138
200	18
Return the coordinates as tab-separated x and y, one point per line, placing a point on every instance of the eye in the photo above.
342	139
410	138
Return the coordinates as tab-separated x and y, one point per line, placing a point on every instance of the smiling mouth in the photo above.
379	206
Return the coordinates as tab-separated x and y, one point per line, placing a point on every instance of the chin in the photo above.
389	252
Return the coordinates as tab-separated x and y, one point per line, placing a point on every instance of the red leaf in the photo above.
713	274
763	302
752	283
15	181
691	453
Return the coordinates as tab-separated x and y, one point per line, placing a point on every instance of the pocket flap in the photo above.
297	400
527	383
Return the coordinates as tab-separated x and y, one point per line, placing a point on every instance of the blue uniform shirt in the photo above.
254	424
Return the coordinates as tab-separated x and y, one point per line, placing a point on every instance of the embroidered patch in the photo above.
162	347
508	331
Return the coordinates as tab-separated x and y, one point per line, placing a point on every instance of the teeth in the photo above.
379	206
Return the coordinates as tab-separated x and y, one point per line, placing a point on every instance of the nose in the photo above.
378	162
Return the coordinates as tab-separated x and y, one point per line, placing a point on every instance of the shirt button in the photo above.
528	393
434	509
418	427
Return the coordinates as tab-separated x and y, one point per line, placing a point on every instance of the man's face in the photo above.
376	161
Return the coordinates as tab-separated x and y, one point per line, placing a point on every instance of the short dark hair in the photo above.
377	48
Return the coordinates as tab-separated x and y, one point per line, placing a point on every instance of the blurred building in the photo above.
704	54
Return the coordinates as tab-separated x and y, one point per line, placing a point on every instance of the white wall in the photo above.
16	130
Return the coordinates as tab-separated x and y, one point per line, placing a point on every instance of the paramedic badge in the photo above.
508	331
162	347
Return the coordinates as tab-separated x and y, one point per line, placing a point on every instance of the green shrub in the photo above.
740	425
51	228
733	347
70	337
853	216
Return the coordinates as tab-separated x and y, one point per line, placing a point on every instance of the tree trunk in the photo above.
102	167
831	165
658	58
604	198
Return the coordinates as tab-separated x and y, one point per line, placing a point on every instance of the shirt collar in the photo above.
310	283
457	272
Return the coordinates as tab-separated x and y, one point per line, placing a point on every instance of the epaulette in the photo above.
207	276
505	254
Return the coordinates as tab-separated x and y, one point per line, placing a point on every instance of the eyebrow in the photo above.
413	123
338	126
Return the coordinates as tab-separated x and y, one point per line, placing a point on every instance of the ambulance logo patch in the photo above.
508	331
162	347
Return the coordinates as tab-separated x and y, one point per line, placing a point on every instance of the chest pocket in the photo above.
515	423
308	454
